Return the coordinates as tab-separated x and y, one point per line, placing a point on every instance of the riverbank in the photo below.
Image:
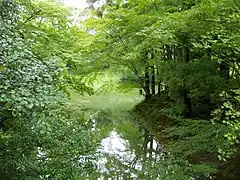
194	141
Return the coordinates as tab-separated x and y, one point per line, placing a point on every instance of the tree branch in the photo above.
235	2
32	16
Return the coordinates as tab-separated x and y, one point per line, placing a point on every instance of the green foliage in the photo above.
197	137
229	114
52	145
29	84
193	144
144	33
40	137
201	79
194	45
47	28
171	168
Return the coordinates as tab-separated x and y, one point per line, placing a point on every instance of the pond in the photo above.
126	147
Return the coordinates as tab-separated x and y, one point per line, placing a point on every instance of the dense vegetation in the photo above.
41	136
184	56
190	51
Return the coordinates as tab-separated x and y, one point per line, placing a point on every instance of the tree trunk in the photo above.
187	100
153	81
188	104
159	84
225	70
169	53
147	83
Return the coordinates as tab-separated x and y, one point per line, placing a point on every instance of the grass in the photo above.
112	100
106	99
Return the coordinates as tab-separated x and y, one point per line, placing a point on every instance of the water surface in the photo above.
125	148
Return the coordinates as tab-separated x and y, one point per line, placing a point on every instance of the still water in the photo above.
126	148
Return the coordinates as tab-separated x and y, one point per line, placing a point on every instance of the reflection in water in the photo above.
126	149
130	151
151	148
117	160
114	154
114	145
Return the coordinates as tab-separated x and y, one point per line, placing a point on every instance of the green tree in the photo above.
40	136
194	46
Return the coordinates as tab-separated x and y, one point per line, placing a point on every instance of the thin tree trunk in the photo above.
169	54
174	52
159	84
145	143
187	100
188	104
153	80
151	147
224	70
147	83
